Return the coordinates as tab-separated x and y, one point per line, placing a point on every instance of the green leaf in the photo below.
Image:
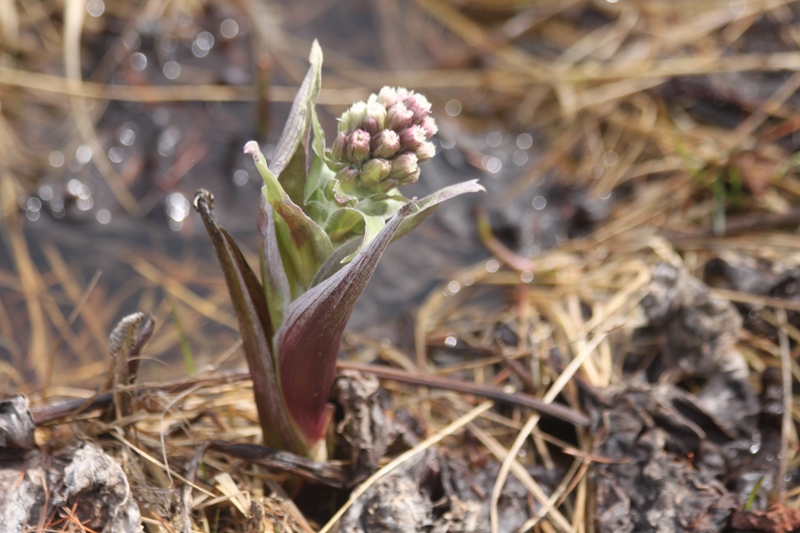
334	192
372	227
257	330
303	244
308	341
318	177
276	284
344	223
290	161
382	205
336	261
427	205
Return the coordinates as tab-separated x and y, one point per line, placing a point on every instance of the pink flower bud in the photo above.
385	144
419	105
353	118
376	117
430	127
339	148
399	117
412	137
388	96
374	171
371	125
425	151
358	146
403	165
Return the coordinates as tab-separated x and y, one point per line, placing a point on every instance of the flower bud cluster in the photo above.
381	141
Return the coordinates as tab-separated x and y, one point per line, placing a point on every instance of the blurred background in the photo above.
584	119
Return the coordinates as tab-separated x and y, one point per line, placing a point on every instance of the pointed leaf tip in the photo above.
251	147
315	57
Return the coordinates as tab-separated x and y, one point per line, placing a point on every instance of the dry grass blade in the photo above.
562	380
74	13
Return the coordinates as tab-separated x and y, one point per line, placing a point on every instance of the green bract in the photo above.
326	216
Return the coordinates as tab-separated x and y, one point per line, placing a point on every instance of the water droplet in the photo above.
103	216
84	191
386	343
524	141
84	204
453	287
33	216
494	139
116	154
56	159
171	70
492	265
83	154
169	43
72	186
539	203
492	164
447	144
126	134
453	108
350	339
519	157
178	207
45	192
175	225
526	276
131	40
138	61
34	204
610	158
205	41
198	51
479	93
451	340
168	140
241	177
229	28
95	7
57	205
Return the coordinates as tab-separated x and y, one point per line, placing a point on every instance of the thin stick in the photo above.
494	393
786	420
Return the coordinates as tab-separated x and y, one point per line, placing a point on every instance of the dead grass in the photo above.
608	86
